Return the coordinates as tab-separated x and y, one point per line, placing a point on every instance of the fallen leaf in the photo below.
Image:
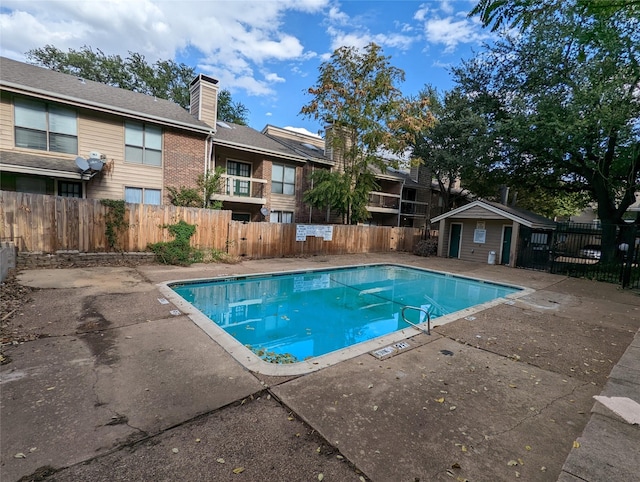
220	460
370	385
452	407
440	400
238	470
512	463
197	440
576	444
521	462
463	448
318	449
320	476
375	408
339	457
527	447
513	386
174	450
456	466
19	455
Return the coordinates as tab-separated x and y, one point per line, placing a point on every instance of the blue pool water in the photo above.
308	314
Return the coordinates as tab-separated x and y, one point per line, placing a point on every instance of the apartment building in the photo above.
67	136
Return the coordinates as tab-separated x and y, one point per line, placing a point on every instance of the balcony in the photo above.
383	202
414	208
240	189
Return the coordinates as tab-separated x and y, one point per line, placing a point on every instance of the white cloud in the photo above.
451	32
421	13
302	130
233	39
362	38
273	77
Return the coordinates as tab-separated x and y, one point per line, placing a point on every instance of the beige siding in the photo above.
105	134
209	104
6	122
479	252
280	202
476	212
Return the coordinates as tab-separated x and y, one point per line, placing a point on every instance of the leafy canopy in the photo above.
357	97
562	105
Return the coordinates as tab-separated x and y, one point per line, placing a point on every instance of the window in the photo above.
142	143
283	179
281	217
69	189
46	127
236	187
137	195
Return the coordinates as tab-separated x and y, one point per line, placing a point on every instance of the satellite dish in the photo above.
82	164
264	211
95	164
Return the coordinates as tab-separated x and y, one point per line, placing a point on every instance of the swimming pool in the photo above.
305	317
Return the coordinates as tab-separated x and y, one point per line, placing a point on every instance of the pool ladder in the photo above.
417	308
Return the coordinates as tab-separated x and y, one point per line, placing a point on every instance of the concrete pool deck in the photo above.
122	389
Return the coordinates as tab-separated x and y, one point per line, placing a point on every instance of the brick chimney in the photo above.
203	92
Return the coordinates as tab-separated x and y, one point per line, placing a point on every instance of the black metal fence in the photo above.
603	253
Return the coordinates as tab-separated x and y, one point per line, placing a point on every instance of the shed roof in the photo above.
522	216
26	79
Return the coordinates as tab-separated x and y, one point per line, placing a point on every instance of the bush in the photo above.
178	251
426	247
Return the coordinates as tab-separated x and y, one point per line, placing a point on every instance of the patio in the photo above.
121	389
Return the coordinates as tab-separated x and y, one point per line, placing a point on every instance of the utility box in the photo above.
492	257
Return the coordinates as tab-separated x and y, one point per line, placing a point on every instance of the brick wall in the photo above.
183	159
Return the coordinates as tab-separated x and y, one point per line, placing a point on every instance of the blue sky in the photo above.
267	53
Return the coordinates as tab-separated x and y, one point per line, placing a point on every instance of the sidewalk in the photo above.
123	389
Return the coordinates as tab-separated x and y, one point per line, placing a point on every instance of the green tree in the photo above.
522	13
164	79
230	111
562	105
452	142
356	94
199	197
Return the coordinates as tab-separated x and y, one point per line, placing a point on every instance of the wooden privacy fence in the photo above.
39	223
47	224
272	240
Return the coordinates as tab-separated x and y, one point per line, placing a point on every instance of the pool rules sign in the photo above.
319	231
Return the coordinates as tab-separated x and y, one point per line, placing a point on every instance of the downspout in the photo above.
208	155
400	205
310	206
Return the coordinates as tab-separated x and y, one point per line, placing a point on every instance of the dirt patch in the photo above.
13	296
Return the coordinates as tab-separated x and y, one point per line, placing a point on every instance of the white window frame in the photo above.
145	193
285	217
50	125
139	144
281	181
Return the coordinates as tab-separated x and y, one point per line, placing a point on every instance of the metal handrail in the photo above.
417	308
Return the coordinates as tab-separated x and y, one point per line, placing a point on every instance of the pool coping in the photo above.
255	364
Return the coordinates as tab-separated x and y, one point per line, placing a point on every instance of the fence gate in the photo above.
603	253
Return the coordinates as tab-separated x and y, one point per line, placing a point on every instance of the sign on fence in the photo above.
319	231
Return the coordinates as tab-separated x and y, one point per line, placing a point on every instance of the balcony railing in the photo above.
383	201
414	208
241	189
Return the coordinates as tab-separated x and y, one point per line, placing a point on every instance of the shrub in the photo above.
426	247
178	251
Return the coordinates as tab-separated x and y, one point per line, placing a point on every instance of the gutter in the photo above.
244	147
